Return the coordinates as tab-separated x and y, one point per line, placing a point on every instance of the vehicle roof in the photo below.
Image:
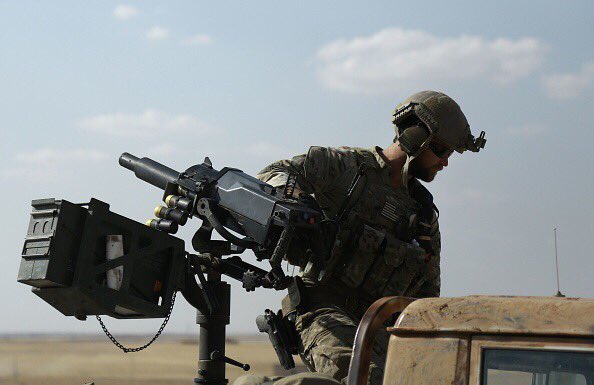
499	315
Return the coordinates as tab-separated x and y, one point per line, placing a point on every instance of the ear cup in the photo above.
413	138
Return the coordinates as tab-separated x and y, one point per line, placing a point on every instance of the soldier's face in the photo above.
426	166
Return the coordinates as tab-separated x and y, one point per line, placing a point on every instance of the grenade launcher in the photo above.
64	256
85	260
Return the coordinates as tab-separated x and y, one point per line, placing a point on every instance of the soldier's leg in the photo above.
250	379
305	378
327	336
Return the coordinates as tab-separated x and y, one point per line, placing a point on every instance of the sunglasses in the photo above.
440	150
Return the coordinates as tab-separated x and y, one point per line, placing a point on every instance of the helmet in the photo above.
430	115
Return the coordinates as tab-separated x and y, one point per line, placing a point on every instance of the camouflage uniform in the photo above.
305	378
376	252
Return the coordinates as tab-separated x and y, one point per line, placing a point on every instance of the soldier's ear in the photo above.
412	139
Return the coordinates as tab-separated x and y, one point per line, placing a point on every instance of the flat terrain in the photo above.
64	361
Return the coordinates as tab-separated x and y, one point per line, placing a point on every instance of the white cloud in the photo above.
569	85
198	39
50	163
150	123
157	33
124	12
395	58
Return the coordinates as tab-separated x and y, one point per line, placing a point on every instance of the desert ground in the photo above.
79	360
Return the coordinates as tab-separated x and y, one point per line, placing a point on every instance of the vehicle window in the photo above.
537	367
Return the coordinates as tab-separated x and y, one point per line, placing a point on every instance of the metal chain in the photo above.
137	349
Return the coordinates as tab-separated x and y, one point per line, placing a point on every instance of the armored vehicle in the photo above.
486	340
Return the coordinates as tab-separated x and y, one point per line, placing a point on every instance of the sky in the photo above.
247	83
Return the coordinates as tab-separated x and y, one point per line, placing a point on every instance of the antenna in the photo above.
557	266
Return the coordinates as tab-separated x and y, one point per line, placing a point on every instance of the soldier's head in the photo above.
430	161
429	127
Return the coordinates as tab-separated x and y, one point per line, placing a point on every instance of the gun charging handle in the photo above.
216	355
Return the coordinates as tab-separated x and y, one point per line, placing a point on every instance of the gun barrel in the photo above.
149	170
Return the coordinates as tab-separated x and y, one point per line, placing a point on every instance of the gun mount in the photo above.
85	260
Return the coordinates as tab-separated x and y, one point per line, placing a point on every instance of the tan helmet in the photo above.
430	115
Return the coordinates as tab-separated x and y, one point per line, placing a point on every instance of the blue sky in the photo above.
246	83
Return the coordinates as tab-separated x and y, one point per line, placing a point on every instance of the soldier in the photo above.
387	241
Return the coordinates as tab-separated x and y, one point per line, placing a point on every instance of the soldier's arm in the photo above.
432	284
316	171
277	173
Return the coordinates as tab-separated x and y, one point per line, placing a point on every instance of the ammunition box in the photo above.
65	259
52	243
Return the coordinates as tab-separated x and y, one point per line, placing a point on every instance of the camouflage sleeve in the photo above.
316	171
277	174
432	285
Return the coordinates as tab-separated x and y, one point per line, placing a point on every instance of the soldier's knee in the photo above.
331	360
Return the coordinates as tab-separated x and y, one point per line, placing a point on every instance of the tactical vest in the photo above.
376	252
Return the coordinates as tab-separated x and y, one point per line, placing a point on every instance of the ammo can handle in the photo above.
373	319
